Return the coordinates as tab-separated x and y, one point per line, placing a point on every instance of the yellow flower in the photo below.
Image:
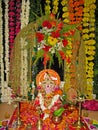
91	64
85	24
85	36
86	14
92	11
90	52
92	24
65	9
47	8
92	6
69	53
64	2
91	47
66	20
55	2
89	80
90	58
90	42
85	19
92	35
48	1
52	41
92	20
89	87
86	9
90	72
66	14
85	30
92	29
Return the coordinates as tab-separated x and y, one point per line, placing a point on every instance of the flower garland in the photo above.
41	103
55	4
75	11
17	18
25	13
24	70
65	14
11	18
1	50
89	41
6	31
47	7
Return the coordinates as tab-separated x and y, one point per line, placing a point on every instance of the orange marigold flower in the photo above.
58	92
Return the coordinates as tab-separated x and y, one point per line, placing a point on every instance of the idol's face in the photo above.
48	86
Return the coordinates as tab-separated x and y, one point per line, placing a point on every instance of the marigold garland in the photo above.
75	11
89	41
65	14
55	4
47	7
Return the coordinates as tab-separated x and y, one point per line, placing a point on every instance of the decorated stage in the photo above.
29	117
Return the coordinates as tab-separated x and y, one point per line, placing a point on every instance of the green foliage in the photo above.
38	56
35	8
59	111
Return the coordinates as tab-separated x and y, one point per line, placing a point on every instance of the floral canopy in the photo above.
43	39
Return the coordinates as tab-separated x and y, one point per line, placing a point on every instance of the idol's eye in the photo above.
51	82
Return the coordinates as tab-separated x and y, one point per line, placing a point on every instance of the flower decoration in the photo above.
52	38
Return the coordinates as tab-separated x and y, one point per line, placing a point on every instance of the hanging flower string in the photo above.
47	7
6	31
11	15
65	14
55	6
18	18
89	41
25	13
75	11
1	50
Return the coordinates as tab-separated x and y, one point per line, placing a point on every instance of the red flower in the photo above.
46	59
55	34
62	55
39	36
68	60
47	24
46	48
66	34
72	32
65	42
59	26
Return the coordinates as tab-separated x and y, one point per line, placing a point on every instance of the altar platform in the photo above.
7	112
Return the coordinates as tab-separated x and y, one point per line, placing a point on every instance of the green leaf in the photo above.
38	55
59	111
60	61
